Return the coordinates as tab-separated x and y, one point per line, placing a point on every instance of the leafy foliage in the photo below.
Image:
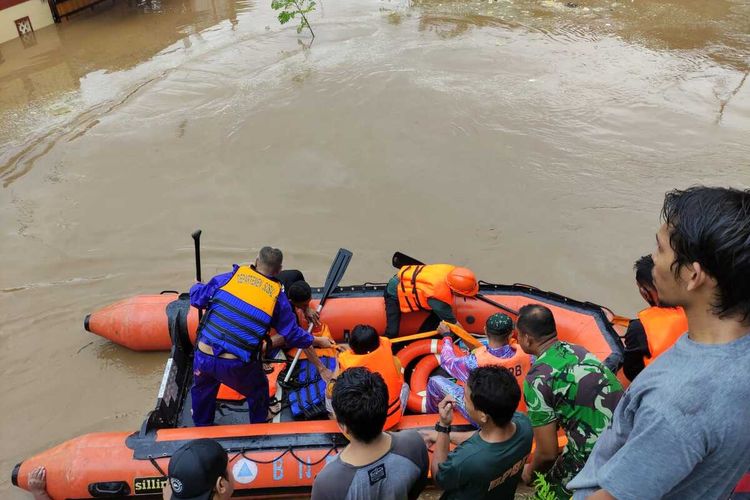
290	9
542	489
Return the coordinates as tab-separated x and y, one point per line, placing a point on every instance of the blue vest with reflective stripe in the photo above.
239	314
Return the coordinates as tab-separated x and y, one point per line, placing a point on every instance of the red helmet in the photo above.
462	281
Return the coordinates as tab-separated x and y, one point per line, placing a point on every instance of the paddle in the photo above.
496	304
400	260
416	336
464	335
197	239
338	268
468	338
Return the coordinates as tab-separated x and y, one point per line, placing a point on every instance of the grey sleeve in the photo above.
423	462
409	444
655	458
333	482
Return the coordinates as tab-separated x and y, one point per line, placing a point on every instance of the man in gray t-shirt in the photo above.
375	464
400	473
682	429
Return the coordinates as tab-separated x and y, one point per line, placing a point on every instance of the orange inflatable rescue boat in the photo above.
141	323
283	456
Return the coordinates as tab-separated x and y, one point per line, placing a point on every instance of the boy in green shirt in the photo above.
487	465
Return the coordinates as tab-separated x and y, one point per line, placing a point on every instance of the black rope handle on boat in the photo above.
298	459
289	450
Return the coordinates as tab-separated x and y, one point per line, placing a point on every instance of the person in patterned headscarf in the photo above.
500	351
567	387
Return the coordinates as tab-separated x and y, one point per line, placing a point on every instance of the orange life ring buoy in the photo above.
430	348
417	349
418	388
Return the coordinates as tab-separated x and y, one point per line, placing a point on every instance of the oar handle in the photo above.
416	336
496	304
296	358
464	335
197	239
460	332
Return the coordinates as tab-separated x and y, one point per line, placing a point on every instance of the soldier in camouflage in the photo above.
568	388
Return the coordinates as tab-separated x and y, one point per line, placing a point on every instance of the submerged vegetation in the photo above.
290	9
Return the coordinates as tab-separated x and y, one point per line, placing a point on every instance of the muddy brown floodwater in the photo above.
530	140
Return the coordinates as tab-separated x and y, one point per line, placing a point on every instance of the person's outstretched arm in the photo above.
457	366
38	484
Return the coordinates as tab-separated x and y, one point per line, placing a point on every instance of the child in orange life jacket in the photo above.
500	352
371	351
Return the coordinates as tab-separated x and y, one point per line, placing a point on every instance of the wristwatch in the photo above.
442	428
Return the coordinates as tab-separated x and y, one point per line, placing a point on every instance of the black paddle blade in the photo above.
400	260
197	240
338	268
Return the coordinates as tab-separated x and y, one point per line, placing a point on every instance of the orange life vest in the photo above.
419	283
519	364
322	331
380	361
663	326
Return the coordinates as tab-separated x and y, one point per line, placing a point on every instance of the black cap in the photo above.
194	469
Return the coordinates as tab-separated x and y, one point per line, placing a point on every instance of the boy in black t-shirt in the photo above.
489	464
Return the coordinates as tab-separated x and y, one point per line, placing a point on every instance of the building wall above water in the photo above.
37	11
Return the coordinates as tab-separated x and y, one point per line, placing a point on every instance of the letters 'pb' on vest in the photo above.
519	365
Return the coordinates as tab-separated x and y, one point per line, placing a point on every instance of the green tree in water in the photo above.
289	9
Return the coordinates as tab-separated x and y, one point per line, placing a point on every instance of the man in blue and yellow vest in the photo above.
242	306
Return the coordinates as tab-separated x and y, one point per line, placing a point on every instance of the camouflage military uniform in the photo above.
570	385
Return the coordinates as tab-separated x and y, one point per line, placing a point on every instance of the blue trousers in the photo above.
209	372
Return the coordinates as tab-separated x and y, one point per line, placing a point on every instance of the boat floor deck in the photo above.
229	413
